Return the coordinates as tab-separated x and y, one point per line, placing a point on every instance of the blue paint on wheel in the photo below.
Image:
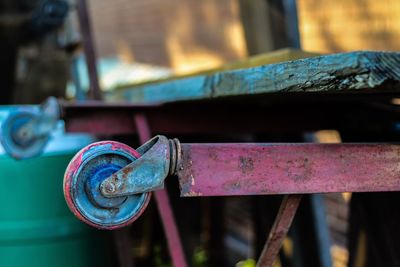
16	146
96	163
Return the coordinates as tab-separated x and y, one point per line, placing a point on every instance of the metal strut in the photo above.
174	242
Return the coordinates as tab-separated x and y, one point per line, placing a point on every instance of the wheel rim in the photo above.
83	176
12	145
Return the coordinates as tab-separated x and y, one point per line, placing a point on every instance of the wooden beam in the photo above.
346	72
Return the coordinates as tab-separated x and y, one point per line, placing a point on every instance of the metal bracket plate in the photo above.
146	173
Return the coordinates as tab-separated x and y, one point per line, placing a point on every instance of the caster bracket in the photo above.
147	173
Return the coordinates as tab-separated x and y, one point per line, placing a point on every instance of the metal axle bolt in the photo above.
109	187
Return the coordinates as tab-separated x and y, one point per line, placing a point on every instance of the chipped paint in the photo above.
246	164
192	194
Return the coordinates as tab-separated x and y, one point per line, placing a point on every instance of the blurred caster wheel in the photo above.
82	180
18	141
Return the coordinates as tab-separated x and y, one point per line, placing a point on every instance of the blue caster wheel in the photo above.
17	139
82	180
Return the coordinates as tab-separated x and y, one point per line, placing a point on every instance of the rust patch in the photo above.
299	170
126	171
233	185
246	164
185	174
212	154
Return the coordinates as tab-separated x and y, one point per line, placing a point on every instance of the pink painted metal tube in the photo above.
164	207
279	230
251	169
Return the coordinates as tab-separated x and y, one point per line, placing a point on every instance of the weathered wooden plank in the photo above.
347	72
276	56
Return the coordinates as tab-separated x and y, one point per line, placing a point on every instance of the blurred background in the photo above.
141	41
138	41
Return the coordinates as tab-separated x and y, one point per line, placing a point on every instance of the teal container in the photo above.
36	226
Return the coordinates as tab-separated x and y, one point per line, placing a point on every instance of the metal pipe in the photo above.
89	49
164	207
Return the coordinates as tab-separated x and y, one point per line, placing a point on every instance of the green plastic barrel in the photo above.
36	227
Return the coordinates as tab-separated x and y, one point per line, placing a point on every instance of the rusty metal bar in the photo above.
164	207
279	230
251	169
294	114
89	49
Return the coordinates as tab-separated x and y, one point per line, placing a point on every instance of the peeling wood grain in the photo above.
347	72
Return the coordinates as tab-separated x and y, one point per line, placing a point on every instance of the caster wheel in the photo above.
82	179
20	144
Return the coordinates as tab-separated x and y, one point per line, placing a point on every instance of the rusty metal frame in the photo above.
297	168
111	119
238	169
